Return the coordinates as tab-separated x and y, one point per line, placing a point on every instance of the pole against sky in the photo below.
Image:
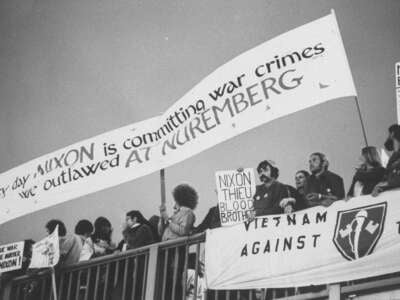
72	70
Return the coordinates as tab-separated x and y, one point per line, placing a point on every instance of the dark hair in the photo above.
185	195
394	128
28	247
138	215
396	133
102	229
323	159
142	220
153	221
304	172
264	164
84	227
52	224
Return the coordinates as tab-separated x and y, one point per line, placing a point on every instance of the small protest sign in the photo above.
46	253
235	191
11	256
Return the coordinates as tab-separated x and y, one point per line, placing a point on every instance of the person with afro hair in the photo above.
181	222
178	225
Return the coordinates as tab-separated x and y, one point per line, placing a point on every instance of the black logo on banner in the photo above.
358	230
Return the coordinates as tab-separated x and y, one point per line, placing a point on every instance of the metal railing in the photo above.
169	270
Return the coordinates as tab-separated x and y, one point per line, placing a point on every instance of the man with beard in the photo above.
323	187
391	179
271	197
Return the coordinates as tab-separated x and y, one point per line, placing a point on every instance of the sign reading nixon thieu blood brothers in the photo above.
235	191
346	241
296	70
11	256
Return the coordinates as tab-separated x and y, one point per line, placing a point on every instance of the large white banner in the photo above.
347	241
301	68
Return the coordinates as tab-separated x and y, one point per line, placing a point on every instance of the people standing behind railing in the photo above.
137	232
301	178
154	227
391	178
70	244
84	229
368	174
195	287
181	222
323	187
178	225
211	220
101	237
271	197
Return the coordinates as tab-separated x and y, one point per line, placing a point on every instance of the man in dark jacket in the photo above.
212	220
391	178
323	187
271	197
137	232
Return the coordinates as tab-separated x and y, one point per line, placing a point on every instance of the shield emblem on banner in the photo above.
358	230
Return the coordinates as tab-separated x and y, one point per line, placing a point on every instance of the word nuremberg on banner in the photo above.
299	69
11	256
235	189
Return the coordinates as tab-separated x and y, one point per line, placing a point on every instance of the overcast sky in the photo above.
70	70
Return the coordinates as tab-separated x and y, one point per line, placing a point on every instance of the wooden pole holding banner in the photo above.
355	97
53	283
361	121
162	184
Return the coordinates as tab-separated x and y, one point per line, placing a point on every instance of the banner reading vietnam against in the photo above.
346	241
235	190
296	70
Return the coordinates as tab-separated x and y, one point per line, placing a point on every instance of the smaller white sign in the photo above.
235	191
11	256
46	252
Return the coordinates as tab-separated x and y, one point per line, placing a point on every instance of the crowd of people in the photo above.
318	186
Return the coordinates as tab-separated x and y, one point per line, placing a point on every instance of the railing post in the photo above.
5	294
334	291
151	281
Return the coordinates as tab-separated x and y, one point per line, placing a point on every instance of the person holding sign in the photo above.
271	197
178	225
70	245
181	222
